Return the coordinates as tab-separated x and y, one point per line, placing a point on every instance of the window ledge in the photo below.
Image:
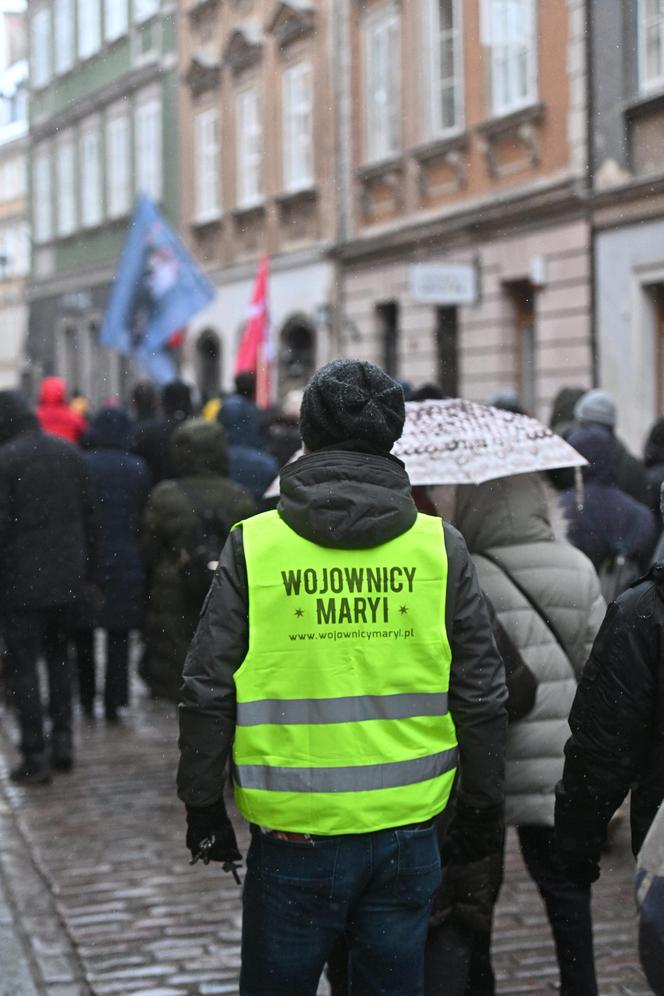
198	7
245	210
438	148
207	220
301	194
374	170
529	115
645	103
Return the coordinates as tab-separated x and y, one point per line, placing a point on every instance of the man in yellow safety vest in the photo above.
345	657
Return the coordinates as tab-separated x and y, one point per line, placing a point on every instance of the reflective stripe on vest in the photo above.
342	717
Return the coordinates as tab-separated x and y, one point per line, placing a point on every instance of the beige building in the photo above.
258	169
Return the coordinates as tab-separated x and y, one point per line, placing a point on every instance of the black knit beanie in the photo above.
352	401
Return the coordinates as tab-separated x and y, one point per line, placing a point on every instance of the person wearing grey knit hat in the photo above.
352	401
596	407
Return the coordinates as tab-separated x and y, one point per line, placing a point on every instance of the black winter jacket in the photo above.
47	522
617	724
346	500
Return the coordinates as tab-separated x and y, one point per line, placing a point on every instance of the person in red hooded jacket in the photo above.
54	414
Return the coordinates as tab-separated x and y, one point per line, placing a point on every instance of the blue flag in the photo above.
157	289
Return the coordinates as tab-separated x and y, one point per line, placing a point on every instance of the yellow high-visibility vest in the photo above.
342	718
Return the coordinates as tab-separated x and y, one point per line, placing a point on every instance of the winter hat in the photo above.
596	406
176	400
352	401
16	416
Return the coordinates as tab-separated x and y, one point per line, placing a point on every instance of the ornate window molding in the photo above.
244	48
203	73
291	19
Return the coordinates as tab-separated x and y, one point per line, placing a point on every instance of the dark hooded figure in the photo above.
653	458
153	436
121	484
47	538
611	522
248	464
200	483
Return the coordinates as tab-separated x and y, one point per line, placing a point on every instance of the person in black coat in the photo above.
653	458
152	437
248	463
121	483
47	537
617	724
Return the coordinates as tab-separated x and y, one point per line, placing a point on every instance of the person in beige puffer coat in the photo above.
547	597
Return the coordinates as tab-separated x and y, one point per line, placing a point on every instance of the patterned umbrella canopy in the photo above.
460	442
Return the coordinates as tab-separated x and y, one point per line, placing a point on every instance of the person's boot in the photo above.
62	757
34	769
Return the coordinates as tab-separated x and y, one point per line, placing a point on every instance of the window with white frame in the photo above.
14	250
508	29
651	44
40	45
115	19
42	199
89	27
297	131
249	148
63	29
118	163
382	75
65	167
144	9
12	178
206	163
444	66
148	146
90	160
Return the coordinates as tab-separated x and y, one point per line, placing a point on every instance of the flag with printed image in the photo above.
255	352
157	289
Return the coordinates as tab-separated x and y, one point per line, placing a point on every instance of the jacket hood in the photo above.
112	428
16	416
176	400
53	391
198	449
654	450
506	512
347	500
598	445
239	417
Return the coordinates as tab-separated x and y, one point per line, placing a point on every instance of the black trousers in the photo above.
29	635
116	682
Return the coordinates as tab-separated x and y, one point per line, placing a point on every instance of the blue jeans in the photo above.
300	897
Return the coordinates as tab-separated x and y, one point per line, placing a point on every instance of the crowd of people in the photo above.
112	521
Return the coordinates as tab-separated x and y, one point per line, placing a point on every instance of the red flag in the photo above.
177	339
254	349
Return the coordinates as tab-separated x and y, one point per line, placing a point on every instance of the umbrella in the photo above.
461	442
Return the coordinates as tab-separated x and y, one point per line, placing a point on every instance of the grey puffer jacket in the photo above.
509	519
345	500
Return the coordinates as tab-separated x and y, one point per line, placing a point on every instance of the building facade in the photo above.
628	208
103	126
465	254
258	125
14	230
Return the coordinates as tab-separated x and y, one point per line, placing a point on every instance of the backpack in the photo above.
199	558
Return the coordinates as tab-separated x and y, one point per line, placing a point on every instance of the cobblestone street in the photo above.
96	895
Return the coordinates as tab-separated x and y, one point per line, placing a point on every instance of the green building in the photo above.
103	125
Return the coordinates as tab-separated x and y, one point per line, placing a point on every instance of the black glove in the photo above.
211	824
580	833
472	834
468	893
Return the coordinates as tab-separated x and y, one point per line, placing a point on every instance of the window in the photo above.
249	148
118	194
443	71
147	146
12	178
206	163
144	9
298	127
14	251
382	86
89	28
40	67
42	195
651	44
115	19
90	167
447	351
65	161
63	15
387	315
509	32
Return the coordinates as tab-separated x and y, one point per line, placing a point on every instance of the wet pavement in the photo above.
96	895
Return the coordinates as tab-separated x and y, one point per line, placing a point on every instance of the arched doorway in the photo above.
297	353
208	353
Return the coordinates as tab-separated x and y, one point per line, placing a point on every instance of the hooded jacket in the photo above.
508	519
248	463
611	522
199	460
654	462
345	500
55	415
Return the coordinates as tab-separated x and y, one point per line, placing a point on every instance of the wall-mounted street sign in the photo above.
443	283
